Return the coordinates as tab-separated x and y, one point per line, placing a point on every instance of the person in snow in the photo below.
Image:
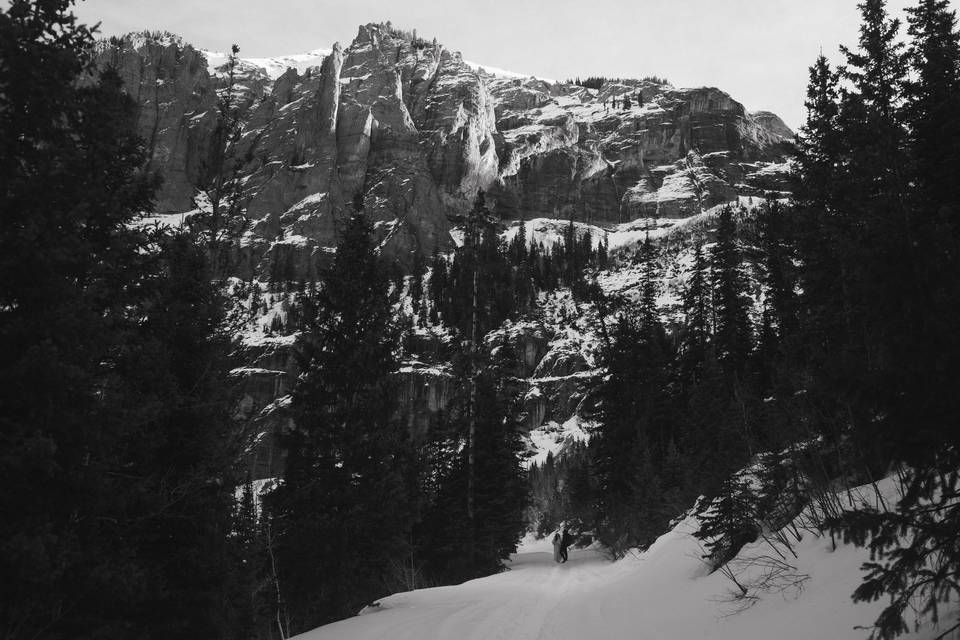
565	541
556	546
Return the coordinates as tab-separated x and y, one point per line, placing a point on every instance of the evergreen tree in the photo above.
778	323
502	491
733	335
824	246
518	246
187	446
882	288
900	407
778	263
579	489
616	438
931	110
875	240
224	222
52	325
933	100
67	269
634	430
696	307
117	443
603	253
251	582
877	70
818	143
455	544
648	314
816	204
341	515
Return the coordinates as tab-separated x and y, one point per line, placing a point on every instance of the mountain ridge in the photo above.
418	131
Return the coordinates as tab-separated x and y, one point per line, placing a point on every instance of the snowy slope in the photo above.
273	67
664	593
555	438
503	73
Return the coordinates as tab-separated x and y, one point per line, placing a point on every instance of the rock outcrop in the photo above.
417	131
177	99
571	151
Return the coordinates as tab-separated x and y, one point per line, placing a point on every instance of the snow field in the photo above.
664	593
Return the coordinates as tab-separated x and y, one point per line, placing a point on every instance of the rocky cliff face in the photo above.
417	131
177	98
571	151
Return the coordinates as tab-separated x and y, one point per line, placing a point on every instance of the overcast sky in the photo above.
756	50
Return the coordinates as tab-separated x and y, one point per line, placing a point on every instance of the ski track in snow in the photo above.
520	604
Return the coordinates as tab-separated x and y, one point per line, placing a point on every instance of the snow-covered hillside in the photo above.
664	593
273	67
503	73
555	438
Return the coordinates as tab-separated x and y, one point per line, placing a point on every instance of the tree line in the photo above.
843	371
367	506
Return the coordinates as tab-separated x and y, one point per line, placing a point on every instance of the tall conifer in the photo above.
341	514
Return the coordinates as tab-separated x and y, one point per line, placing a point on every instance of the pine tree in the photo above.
778	330
882	285
224	223
818	143
778	262
902	410
824	242
187	445
933	100
648	314
603	253
57	315
871	128
501	496
579	490
519	251
634	430
341	515
732	334
932	103
116	443
455	544
878	68
696	308
816	204
875	240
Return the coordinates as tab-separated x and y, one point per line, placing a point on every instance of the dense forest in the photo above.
817	349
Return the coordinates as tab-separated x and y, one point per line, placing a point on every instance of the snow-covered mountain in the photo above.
418	131
273	67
